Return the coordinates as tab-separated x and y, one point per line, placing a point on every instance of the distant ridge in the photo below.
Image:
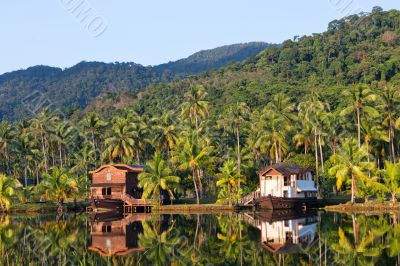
73	88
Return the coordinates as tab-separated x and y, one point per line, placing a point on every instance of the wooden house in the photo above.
115	187
286	186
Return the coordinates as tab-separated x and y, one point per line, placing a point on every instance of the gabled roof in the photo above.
285	169
133	168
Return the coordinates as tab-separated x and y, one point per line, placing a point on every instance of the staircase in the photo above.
131	201
249	200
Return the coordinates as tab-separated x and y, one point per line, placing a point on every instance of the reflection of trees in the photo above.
159	243
361	242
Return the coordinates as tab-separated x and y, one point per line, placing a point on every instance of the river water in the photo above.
266	238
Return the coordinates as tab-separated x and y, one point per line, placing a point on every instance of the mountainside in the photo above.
215	58
359	48
73	88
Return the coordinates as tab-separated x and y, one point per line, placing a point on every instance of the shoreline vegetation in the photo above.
329	106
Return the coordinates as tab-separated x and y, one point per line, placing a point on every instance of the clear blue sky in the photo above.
154	31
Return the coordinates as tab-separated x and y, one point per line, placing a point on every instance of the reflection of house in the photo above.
285	186
116	187
118	237
288	236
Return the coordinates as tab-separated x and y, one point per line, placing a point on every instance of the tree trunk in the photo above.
352	188
199	176
44	154
276	152
60	154
195	187
358	127
321	154
229	194
316	157
391	142
238	153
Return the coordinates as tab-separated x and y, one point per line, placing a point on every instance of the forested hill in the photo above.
215	58
73	88
359	48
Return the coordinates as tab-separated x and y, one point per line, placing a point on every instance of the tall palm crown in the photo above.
158	176
120	143
389	100
191	154
195	106
6	138
350	163
359	98
9	188
228	176
165	132
58	186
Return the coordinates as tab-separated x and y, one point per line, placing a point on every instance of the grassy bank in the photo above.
372	206
44	207
192	208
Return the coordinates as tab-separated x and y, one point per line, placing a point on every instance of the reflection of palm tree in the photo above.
159	244
362	242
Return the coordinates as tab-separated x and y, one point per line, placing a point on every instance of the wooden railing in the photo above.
248	199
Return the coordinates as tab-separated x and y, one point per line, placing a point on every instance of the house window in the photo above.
285	194
106	191
106	228
108	177
286	181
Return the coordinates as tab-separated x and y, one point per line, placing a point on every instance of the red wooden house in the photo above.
115	187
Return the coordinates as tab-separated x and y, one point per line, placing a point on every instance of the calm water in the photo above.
279	238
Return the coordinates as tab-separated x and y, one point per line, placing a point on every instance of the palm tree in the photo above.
391	177
93	124
6	139
350	162
62	132
165	132
120	143
229	176
195	106
58	186
191	153
42	126
234	121
157	177
313	111
389	98
9	189
358	97
25	148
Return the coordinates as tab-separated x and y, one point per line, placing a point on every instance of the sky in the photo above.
64	32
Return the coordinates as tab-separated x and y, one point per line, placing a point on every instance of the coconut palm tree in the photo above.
191	154
120	143
195	107
350	163
165	132
6	139
42	126
25	146
358	97
389	101
229	177
234	121
391	177
93	125
58	185
157	176
10	188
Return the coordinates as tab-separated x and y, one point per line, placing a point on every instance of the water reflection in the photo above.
268	238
